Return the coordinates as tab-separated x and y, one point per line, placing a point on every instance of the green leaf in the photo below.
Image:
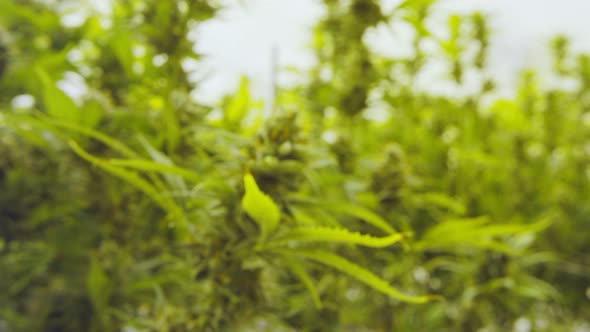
239	104
260	207
302	217
28	128
535	288
57	102
349	209
357	272
121	43
93	112
305	278
110	142
510	116
444	201
133	179
172	127
98	285
475	232
175	181
327	234
151	166
363	214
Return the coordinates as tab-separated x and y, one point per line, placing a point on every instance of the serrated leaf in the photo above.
260	207
328	234
357	272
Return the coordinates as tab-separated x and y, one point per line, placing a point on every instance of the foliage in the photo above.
129	207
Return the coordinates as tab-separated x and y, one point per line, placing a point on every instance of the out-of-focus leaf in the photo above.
361	213
239	105
510	116
442	200
57	102
132	178
475	232
357	272
151	166
175	177
122	42
98	286
91	114
299	270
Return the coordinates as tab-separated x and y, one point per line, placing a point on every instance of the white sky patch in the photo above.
160	59
523	324
330	136
73	85
103	7
377	113
240	40
25	101
74	19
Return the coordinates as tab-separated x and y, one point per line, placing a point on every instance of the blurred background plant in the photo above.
128	205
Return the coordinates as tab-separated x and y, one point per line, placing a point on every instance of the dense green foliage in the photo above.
131	207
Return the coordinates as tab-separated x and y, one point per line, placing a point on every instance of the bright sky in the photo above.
241	39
